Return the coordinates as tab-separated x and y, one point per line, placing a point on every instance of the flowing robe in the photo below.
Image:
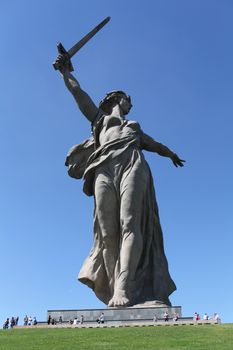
118	169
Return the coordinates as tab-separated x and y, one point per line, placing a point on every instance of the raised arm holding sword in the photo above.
127	264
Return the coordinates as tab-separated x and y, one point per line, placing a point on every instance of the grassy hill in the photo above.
208	337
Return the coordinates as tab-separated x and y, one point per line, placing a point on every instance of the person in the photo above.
82	319
6	324
166	316
49	319
176	317
16	320
60	320
216	317
12	322
205	317
75	322
101	318
127	264
29	320
155	319
34	322
25	320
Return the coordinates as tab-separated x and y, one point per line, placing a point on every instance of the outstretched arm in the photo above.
85	103
149	144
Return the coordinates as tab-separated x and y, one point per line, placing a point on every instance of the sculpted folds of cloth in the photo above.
127	264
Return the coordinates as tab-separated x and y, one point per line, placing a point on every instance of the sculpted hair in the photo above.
111	98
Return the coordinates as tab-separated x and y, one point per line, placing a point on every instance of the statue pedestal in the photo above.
120	315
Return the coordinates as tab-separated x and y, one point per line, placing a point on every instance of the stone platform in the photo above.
184	321
135	313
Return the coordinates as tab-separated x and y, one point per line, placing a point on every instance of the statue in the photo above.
127	264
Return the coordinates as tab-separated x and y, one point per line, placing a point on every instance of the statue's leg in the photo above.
132	194
107	210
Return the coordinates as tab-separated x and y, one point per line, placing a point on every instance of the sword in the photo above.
74	49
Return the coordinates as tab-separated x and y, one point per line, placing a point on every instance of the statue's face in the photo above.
125	104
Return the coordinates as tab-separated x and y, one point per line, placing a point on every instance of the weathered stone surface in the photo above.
127	264
116	314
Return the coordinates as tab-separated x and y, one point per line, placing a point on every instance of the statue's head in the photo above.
112	98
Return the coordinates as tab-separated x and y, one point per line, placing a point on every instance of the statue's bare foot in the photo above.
119	299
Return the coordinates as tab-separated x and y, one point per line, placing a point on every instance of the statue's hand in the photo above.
177	161
62	62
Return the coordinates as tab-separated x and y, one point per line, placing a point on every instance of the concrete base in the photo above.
135	313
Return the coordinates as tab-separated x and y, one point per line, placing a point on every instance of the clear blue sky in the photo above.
175	60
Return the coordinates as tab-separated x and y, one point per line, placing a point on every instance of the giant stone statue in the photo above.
127	264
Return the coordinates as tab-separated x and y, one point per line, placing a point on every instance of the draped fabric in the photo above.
119	169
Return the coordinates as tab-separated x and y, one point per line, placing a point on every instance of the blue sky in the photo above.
175	60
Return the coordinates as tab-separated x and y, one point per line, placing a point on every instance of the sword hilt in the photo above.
62	51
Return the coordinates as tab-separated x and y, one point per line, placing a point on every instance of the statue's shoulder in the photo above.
134	125
98	119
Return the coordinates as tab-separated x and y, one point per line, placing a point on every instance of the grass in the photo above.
208	337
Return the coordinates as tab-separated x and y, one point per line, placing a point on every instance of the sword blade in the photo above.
71	52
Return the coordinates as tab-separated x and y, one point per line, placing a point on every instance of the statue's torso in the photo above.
116	128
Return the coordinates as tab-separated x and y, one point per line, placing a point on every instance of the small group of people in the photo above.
11	322
196	317
100	319
166	317
206	317
52	321
29	321
77	321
